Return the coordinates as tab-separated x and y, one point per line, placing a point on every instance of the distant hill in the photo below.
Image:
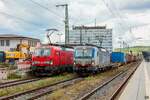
135	49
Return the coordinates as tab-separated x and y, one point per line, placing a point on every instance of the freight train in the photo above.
90	58
50	59
123	58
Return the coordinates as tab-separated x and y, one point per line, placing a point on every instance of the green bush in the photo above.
4	65
13	76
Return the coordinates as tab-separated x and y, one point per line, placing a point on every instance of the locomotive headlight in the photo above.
51	62
35	62
93	62
74	63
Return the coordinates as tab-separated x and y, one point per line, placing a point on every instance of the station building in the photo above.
97	35
9	42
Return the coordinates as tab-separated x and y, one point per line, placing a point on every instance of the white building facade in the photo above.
97	35
9	42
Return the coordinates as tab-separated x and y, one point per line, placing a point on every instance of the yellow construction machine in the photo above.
18	54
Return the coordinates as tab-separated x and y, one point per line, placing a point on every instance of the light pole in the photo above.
120	38
49	33
66	22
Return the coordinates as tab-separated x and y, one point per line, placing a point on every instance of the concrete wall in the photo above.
13	44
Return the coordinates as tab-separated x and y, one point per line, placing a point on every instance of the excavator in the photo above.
18	53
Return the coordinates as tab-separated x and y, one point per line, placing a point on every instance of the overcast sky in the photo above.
130	19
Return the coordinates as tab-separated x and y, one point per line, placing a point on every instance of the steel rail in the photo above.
119	89
39	91
89	94
17	82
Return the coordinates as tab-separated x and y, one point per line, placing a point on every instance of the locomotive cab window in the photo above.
46	52
84	53
42	52
97	53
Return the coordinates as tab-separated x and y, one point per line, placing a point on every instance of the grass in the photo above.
135	49
13	76
7	66
72	92
33	85
4	65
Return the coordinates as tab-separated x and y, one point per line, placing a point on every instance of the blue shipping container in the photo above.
118	57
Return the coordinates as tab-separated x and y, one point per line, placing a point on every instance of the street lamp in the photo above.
49	33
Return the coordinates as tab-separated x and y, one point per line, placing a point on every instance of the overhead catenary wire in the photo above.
19	18
61	22
49	10
114	14
24	19
127	25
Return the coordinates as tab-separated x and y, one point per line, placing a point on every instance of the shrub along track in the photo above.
78	90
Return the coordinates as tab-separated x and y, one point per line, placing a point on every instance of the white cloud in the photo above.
81	12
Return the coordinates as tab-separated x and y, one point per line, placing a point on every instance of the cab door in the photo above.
57	58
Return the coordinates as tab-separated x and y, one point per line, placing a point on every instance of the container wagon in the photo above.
118	57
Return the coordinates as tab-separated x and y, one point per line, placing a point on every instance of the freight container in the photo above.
118	57
129	58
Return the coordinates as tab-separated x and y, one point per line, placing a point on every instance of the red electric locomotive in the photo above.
50	59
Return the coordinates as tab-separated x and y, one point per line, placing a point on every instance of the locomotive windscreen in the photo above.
42	52
84	52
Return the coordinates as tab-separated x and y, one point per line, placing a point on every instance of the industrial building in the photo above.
97	35
9	42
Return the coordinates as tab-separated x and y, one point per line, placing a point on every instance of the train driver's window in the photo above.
97	53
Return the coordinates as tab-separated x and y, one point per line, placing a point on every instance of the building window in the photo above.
2	42
29	43
7	42
32	43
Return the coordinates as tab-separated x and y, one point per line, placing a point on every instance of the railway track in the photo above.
36	93
17	82
104	85
120	88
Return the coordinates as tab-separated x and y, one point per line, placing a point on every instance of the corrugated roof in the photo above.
15	36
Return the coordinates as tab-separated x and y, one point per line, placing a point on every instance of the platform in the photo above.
138	87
